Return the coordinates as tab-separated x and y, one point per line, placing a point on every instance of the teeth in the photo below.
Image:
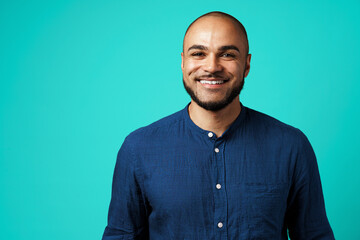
211	82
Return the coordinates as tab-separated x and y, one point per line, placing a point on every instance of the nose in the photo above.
212	64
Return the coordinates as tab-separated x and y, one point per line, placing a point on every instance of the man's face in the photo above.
214	62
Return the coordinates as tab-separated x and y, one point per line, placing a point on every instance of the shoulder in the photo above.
289	143
268	126
156	130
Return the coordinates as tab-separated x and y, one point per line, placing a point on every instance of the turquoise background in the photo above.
78	76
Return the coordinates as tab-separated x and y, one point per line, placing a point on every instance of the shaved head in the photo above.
237	23
215	60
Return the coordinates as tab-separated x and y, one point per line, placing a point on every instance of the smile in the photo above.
212	82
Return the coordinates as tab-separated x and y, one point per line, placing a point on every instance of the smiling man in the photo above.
216	169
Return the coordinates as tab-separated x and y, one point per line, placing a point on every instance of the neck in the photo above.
215	121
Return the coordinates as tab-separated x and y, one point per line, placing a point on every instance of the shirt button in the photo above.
217	150
210	134
220	225
218	186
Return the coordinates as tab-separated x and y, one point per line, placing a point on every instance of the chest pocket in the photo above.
265	207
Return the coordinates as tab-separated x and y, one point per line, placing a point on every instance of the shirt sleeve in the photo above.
306	217
127	218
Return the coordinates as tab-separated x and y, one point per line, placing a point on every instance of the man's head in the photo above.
215	60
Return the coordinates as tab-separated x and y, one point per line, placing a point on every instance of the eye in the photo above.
228	55
197	54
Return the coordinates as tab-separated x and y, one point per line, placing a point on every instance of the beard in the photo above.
215	105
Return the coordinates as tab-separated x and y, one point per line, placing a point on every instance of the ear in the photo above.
182	61
247	66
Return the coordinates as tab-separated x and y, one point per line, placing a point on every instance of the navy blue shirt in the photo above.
259	180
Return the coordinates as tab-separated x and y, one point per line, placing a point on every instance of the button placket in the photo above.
220	214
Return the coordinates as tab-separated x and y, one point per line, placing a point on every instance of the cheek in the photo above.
191	67
235	70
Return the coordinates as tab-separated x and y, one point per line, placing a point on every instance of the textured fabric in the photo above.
259	180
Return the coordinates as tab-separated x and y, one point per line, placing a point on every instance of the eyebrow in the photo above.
229	47
199	47
222	48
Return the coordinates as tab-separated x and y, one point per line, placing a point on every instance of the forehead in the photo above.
214	32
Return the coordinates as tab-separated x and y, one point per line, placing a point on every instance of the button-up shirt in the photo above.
259	180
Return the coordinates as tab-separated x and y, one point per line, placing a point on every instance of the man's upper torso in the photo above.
174	180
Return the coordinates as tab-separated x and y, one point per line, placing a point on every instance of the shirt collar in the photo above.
236	124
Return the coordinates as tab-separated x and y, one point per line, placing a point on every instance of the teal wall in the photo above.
78	76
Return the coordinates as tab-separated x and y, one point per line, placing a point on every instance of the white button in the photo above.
220	225
210	134
217	150
218	186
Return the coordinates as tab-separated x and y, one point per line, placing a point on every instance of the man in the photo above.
216	169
